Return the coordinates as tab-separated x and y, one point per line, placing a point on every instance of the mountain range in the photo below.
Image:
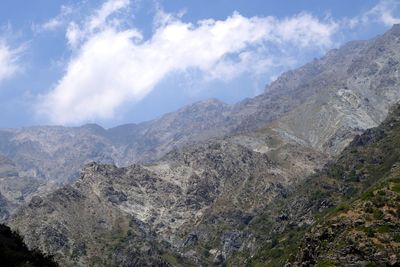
256	183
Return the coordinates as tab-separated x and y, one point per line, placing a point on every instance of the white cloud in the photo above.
107	9
9	60
382	12
97	22
113	66
54	23
73	34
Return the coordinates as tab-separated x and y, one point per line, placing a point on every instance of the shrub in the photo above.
369	232
342	207
383	229
396	188
378	214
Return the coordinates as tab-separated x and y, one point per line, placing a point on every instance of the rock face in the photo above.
221	190
81	227
109	206
17	188
322	104
4	208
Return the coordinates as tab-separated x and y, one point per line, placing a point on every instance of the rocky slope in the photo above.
364	229
162	201
365	233
325	102
345	215
210	202
17	188
81	225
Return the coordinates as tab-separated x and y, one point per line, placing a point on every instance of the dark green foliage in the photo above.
378	214
382	193
342	207
369	208
369	232
383	229
396	238
353	177
13	251
373	264
396	188
327	263
367	195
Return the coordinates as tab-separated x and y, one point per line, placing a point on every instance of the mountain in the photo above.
164	198
344	215
221	184
17	188
321	105
367	232
364	227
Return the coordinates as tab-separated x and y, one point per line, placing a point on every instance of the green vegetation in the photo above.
396	188
383	229
378	214
327	263
342	207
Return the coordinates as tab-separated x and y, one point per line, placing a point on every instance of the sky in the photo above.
112	62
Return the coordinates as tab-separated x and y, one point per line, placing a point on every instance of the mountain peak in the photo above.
93	127
208	103
395	30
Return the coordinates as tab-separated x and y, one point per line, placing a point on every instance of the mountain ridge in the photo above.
196	197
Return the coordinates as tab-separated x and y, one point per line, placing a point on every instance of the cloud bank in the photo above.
114	64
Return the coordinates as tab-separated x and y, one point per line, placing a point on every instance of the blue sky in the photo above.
121	61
